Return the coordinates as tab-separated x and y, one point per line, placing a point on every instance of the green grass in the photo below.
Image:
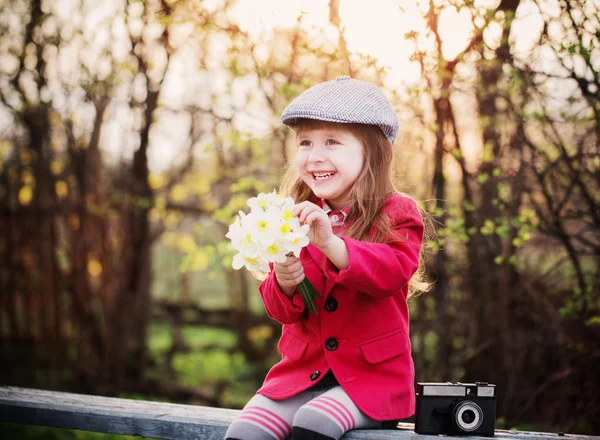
199	367
208	361
196	338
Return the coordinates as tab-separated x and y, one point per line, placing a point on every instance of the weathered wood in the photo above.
166	420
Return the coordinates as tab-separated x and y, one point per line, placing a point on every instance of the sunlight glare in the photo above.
258	18
376	28
455	30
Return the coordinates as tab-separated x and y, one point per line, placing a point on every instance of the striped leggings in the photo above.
310	415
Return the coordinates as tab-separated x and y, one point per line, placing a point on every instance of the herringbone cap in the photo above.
344	100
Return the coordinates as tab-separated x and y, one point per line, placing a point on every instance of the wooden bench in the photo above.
165	420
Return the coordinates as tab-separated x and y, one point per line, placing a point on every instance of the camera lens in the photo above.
467	415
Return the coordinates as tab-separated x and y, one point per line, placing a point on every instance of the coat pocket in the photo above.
292	346
384	347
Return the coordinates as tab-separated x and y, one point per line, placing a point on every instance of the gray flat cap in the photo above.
344	100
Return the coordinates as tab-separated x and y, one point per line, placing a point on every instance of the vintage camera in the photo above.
455	408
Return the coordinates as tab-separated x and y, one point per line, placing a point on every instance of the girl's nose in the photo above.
316	155
315	158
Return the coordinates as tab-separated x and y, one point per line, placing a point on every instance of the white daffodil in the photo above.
249	240
277	199
252	263
302	230
285	228
287	204
275	252
268	234
287	214
235	234
263	201
295	242
240	236
260	202
266	225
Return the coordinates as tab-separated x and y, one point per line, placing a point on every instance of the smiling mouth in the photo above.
322	176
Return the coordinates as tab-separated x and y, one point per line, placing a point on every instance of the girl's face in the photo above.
329	161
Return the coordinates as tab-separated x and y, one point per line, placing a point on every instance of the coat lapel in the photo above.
316	270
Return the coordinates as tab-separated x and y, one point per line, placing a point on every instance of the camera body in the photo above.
455	408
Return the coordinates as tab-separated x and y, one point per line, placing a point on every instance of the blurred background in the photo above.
131	133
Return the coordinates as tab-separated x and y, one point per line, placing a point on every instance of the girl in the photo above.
349	366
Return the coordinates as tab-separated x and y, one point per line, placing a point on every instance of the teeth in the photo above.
323	176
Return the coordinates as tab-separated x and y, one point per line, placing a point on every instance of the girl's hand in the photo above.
320	233
289	275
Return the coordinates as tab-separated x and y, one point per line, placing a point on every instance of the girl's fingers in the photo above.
295	268
302	213
299	279
310	218
291	274
290	260
291	282
302	210
300	206
296	274
291	264
309	212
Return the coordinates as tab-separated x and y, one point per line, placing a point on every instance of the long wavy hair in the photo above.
368	193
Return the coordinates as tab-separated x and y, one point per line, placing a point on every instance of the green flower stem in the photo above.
309	293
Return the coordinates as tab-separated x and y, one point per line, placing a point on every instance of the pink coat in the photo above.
361	331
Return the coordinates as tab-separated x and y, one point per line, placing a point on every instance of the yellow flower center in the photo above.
252	261
262	203
285	228
261	225
249	238
273	249
288	214
296	241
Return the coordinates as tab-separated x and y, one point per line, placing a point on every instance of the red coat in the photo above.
361	331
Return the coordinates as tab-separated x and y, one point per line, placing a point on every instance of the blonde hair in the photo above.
369	192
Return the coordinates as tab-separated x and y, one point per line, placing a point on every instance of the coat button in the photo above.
331	344
331	305
315	375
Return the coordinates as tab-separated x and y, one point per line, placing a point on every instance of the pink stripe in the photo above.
271	417
345	411
330	412
275	415
260	422
271	422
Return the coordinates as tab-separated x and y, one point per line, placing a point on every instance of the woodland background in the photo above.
131	132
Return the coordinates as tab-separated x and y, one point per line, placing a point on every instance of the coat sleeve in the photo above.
378	269
278	306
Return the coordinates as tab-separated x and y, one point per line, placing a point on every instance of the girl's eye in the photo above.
307	143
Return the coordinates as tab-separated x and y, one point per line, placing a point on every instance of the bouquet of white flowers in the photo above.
268	234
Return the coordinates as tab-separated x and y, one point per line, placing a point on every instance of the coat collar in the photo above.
338	218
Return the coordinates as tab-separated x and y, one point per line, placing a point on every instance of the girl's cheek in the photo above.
300	160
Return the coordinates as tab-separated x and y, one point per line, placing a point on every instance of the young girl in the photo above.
349	366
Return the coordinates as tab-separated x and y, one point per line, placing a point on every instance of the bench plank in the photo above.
167	420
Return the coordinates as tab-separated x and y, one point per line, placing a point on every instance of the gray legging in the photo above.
330	413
